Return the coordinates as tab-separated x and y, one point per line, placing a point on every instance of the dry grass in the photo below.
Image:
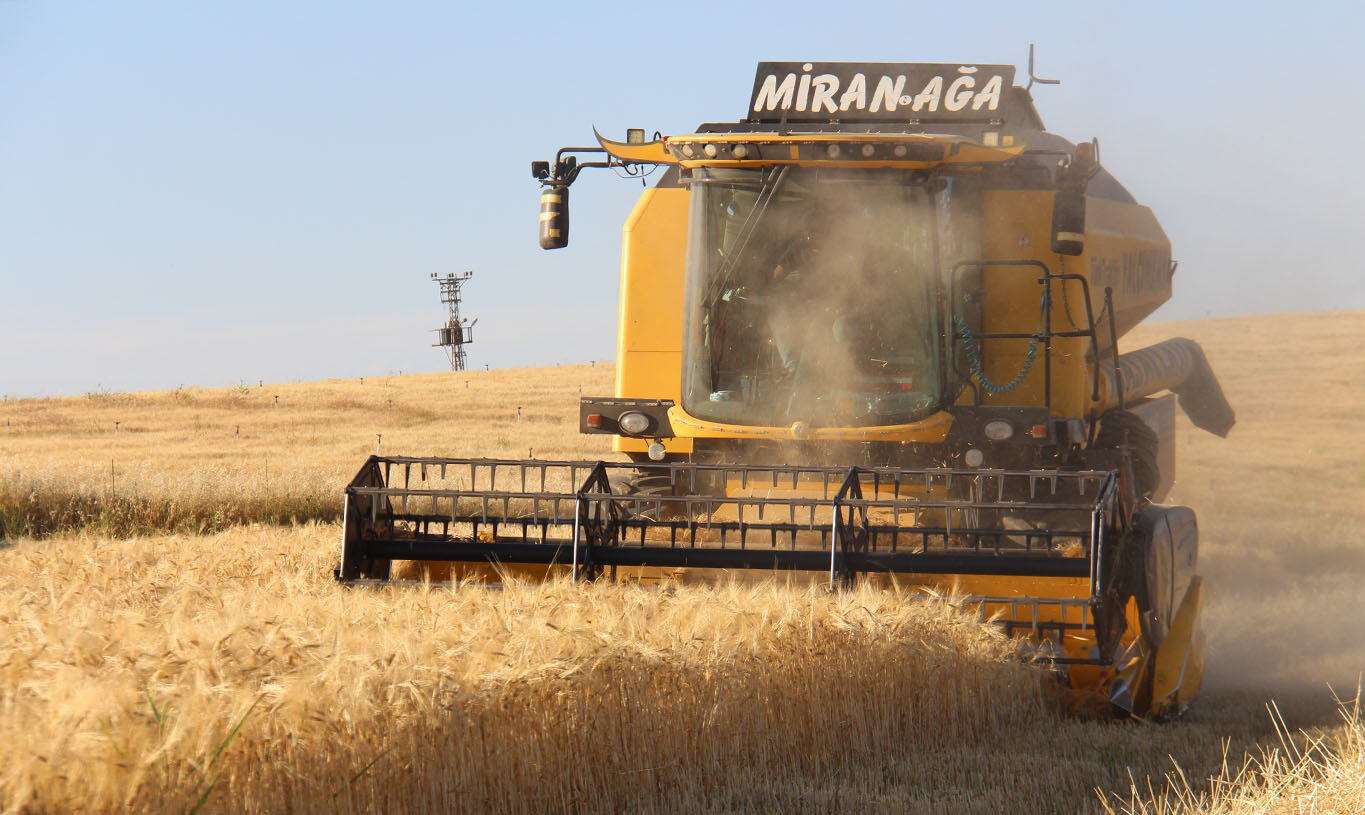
200	460
94	630
1307	775
150	674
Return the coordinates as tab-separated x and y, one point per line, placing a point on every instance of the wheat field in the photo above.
171	639
203	459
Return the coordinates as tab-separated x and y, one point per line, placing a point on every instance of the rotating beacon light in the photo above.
554	201
554	217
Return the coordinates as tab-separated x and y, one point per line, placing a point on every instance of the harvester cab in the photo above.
869	331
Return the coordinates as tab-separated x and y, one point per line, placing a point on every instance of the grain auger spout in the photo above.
868	333
1179	366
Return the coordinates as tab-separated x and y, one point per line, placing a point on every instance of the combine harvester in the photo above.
868	332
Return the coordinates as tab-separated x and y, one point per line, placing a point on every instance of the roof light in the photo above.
832	151
688	151
899	151
635	135
709	150
974	457
868	150
741	151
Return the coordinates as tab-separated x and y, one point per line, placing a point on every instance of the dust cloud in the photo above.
1288	615
1282	525
819	304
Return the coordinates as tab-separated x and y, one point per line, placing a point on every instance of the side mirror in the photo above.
1068	222
554	217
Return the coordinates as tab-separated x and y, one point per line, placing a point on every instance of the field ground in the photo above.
134	657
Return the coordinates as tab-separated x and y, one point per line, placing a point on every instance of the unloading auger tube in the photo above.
1179	366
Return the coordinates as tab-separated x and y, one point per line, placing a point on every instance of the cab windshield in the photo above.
813	295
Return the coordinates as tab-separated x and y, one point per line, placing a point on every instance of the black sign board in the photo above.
879	91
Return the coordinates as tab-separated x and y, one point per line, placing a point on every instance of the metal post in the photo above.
1047	337
577	507
342	573
1098	557
1113	346
833	543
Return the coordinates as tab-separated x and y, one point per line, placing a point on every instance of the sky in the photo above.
219	193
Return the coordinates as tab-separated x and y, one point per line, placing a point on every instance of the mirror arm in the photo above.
577	168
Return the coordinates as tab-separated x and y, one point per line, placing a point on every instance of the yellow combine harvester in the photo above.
868	332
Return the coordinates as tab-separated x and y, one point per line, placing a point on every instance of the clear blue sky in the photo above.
205	193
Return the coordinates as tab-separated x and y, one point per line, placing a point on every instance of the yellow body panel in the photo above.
653	243
1017	227
1180	657
649	338
1127	250
932	429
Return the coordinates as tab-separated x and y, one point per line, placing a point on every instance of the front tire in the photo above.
1125	431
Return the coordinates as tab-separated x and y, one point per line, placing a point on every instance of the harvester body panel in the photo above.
649	334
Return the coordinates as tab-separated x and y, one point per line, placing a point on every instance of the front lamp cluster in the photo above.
633	422
998	430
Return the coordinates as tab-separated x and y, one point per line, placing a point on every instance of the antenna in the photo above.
455	334
1032	78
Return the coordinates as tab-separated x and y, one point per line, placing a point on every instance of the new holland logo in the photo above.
808	90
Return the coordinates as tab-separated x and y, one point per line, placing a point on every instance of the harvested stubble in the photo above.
1311	774
157	673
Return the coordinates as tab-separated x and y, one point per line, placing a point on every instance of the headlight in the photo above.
999	430
633	422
